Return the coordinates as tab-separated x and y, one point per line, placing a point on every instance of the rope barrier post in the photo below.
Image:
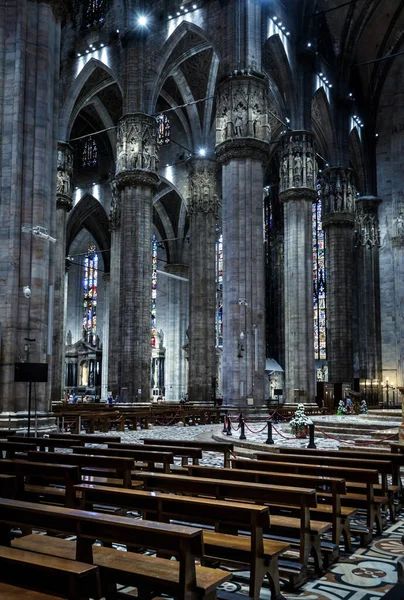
311	437
228	431
270	438
225	422
242	433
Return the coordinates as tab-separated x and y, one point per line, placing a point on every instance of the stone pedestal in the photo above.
136	177
64	204
202	209
242	147
338	223
297	193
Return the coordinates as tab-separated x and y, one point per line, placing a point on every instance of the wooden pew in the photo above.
10	449
68	578
42	443
149	574
332	512
12	592
137	453
370	502
225	447
87	438
261	555
23	471
304	498
8	486
90	464
195	454
397	461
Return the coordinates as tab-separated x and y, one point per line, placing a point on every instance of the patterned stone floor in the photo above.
367	574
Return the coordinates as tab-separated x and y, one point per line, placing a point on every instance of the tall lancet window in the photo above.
95	13
90	284
219	290
164	130
319	280
154	292
90	153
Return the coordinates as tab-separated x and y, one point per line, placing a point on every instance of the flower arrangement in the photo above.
363	409
299	422
341	408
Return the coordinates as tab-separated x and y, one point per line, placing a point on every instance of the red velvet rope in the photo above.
260	431
157	422
356	443
284	436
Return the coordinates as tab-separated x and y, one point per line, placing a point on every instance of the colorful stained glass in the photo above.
219	290
90	285
90	153
164	130
95	14
319	280
154	292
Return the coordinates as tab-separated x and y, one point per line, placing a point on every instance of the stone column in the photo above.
105	339
174	320
367	278
202	209
297	193
64	204
30	59
137	179
242	147
338	223
114	290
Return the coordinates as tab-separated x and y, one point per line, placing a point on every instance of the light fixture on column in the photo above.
202	152
142	20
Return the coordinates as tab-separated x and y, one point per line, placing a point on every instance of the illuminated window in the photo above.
90	153
95	14
219	290
163	130
319	280
90	284
154	292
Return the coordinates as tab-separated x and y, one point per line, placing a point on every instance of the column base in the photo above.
17	422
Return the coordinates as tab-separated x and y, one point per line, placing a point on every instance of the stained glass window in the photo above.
163	130
95	14
154	292
219	289
319	280
90	284
90	153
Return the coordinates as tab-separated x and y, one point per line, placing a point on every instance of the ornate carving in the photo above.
398	221
115	211
202	187
242	148
64	177
338	196
367	223
298	165
243	110
137	148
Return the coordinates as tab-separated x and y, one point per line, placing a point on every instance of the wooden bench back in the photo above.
335	485
383	466
205	445
218	488
87	438
10	448
370	476
137	455
176	450
45	442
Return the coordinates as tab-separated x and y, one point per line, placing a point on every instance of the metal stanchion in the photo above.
311	437
270	438
225	422
228	431
242	427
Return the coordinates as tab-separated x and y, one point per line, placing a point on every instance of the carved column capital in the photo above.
242	124
367	231
64	176
338	196
137	156
202	186
298	166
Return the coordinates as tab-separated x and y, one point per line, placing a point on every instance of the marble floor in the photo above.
367	574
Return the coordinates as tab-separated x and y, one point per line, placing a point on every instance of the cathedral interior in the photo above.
201	197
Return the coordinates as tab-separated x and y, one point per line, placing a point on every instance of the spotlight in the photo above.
280	23
102	45
117	30
178	14
202	152
182	7
330	85
283	27
170	16
274	18
194	6
321	74
350	94
287	120
376	135
288	33
142	21
309	44
79	54
87	51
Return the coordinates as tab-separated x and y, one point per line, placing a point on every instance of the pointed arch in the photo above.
356	157
276	64
74	92
89	214
322	125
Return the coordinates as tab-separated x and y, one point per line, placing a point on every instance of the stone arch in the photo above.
75	89
90	214
356	157
276	64
322	125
